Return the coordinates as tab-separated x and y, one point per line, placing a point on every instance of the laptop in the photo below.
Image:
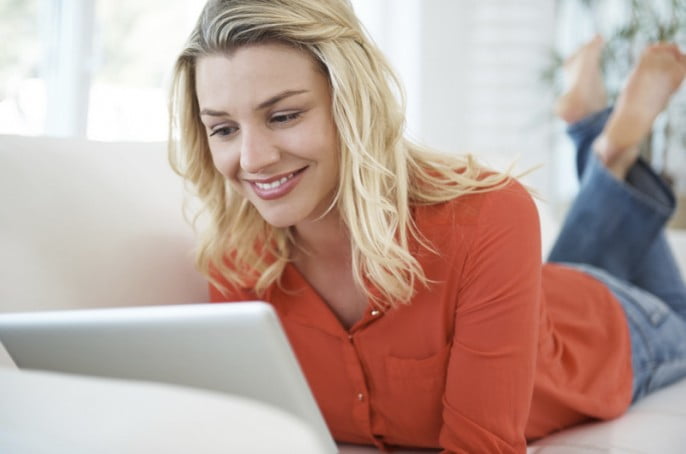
236	348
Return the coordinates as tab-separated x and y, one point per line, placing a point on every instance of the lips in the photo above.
278	186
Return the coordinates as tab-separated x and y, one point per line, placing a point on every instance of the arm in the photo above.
490	374
231	294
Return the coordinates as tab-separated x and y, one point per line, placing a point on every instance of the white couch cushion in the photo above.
87	224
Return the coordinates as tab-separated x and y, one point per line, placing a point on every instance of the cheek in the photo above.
319	142
226	163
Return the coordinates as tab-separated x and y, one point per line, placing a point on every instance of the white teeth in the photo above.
274	184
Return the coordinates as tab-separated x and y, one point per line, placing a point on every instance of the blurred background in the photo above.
481	76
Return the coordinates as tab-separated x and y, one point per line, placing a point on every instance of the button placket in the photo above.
358	379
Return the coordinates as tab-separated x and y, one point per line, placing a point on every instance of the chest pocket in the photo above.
416	388
425	373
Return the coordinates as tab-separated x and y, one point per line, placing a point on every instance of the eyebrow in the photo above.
263	105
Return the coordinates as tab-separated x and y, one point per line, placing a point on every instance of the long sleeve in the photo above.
232	294
490	374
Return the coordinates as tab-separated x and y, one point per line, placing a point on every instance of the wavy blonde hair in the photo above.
382	174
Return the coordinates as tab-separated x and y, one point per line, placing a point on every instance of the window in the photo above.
94	68
134	49
22	90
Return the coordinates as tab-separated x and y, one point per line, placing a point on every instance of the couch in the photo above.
86	224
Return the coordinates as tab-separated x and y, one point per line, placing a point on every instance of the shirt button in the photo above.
360	397
376	313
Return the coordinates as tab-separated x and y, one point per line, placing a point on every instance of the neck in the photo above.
323	239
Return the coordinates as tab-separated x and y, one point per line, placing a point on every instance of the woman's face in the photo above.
267	112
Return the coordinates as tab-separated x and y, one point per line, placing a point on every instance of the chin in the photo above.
279	224
279	220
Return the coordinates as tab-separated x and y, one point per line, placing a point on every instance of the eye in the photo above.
224	131
286	117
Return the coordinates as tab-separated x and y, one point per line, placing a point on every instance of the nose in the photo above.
257	151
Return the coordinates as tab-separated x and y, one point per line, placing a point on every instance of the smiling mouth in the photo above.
275	184
277	187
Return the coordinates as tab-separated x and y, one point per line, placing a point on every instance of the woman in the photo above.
409	282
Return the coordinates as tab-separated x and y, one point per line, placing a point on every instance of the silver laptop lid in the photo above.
236	348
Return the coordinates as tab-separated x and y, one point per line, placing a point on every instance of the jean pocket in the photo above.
648	305
651	307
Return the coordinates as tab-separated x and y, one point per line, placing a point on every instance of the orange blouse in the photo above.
499	350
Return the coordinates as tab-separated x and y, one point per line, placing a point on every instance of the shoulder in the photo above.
222	289
503	219
507	202
510	203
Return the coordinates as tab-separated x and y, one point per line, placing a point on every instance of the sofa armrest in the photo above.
88	224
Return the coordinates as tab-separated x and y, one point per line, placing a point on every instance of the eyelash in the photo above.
286	117
280	119
221	131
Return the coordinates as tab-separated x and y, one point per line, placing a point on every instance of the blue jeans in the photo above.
614	231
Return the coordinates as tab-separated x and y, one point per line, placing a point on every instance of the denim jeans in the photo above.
614	231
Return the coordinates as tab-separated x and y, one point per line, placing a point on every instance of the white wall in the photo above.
471	70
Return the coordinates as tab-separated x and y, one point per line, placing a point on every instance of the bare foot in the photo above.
657	76
584	87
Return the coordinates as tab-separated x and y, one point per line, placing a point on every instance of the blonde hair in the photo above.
382	174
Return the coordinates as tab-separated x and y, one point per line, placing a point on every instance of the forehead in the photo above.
250	73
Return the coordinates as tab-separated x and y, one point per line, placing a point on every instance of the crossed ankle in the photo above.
617	158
